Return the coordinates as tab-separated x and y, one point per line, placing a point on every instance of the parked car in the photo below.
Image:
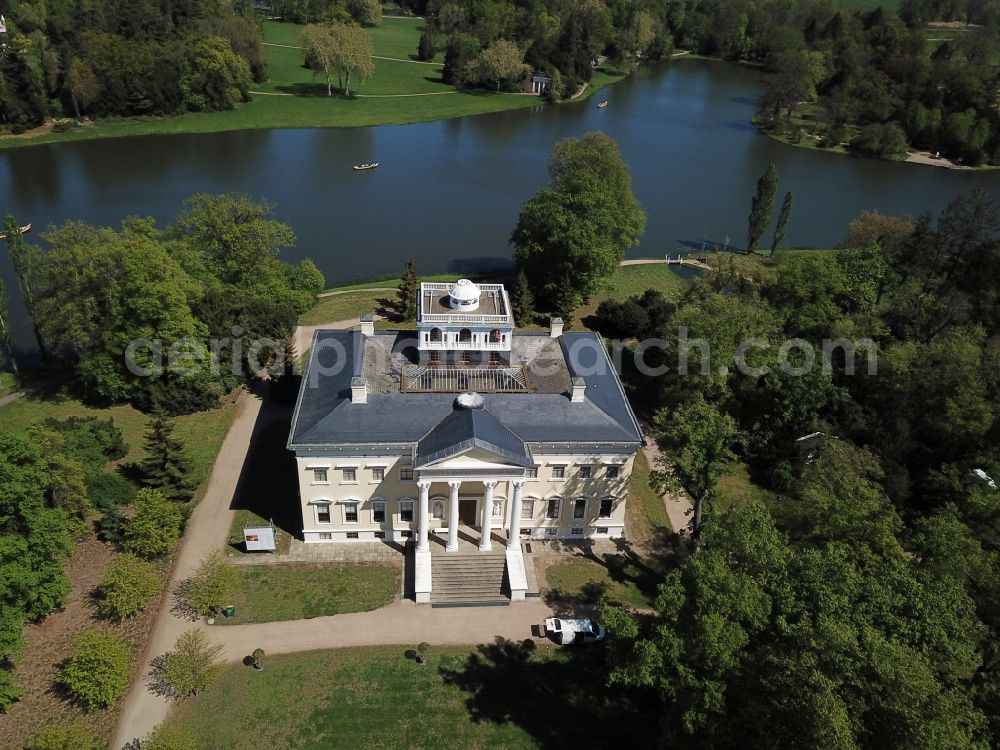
566	632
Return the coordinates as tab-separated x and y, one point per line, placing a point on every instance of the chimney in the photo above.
579	390
555	327
368	324
359	391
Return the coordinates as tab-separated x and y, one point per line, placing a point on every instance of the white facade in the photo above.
365	498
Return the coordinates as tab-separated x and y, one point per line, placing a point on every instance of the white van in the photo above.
566	632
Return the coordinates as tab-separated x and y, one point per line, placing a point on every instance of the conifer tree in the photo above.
406	295
167	466
522	301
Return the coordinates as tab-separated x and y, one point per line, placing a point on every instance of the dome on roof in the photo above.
464	295
469	400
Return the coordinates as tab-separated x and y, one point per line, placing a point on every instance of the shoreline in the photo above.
923	158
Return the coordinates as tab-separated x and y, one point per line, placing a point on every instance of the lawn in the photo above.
646	519
270	593
202	432
629	281
736	488
618	578
7	383
495	696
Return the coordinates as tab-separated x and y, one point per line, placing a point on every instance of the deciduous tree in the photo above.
129	585
213	585
193	664
97	674
502	61
155	524
783	216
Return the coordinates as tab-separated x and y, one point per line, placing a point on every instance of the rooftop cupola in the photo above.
464	295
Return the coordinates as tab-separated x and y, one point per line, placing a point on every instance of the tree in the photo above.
355	56
521	299
154	526
24	258
167	736
219	77
882	140
65	737
406	292
166	467
697	439
761	206
129	585
6	333
365	12
425	49
84	87
213	585
97	674
572	235
501	61
783	216
194	663
319	46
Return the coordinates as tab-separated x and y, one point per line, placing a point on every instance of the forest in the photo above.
875	82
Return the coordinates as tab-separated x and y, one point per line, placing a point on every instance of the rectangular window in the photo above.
350	512
435	357
552	511
378	512
406	511
607	504
526	532
406	534
558	472
380	535
406	474
577	532
494	358
352	535
320	475
378	473
551	532
527	509
350	475
323	513
611	472
579	507
584	472
325	536
531	473
602	529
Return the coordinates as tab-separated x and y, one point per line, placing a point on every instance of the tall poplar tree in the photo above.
6	339
23	258
761	206
783	216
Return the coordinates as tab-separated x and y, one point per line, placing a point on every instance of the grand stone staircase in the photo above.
469	579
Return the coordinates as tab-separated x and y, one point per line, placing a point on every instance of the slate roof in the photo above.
471	428
325	417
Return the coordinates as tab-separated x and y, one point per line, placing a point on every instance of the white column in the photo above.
422	519
514	527
485	545
453	517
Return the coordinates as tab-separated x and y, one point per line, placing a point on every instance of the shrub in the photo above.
213	584
170	737
258	658
129	585
10	693
155	525
194	663
98	673
63	737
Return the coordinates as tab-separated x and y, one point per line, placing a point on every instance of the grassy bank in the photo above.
402	90
495	696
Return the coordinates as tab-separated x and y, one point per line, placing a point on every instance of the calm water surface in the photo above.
448	193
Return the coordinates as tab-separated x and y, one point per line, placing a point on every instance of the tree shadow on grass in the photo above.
312	90
561	701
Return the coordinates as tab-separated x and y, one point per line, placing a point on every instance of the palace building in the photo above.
460	430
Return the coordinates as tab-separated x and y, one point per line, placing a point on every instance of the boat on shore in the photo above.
23	230
362	167
603	104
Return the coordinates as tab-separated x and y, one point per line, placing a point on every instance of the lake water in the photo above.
448	193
